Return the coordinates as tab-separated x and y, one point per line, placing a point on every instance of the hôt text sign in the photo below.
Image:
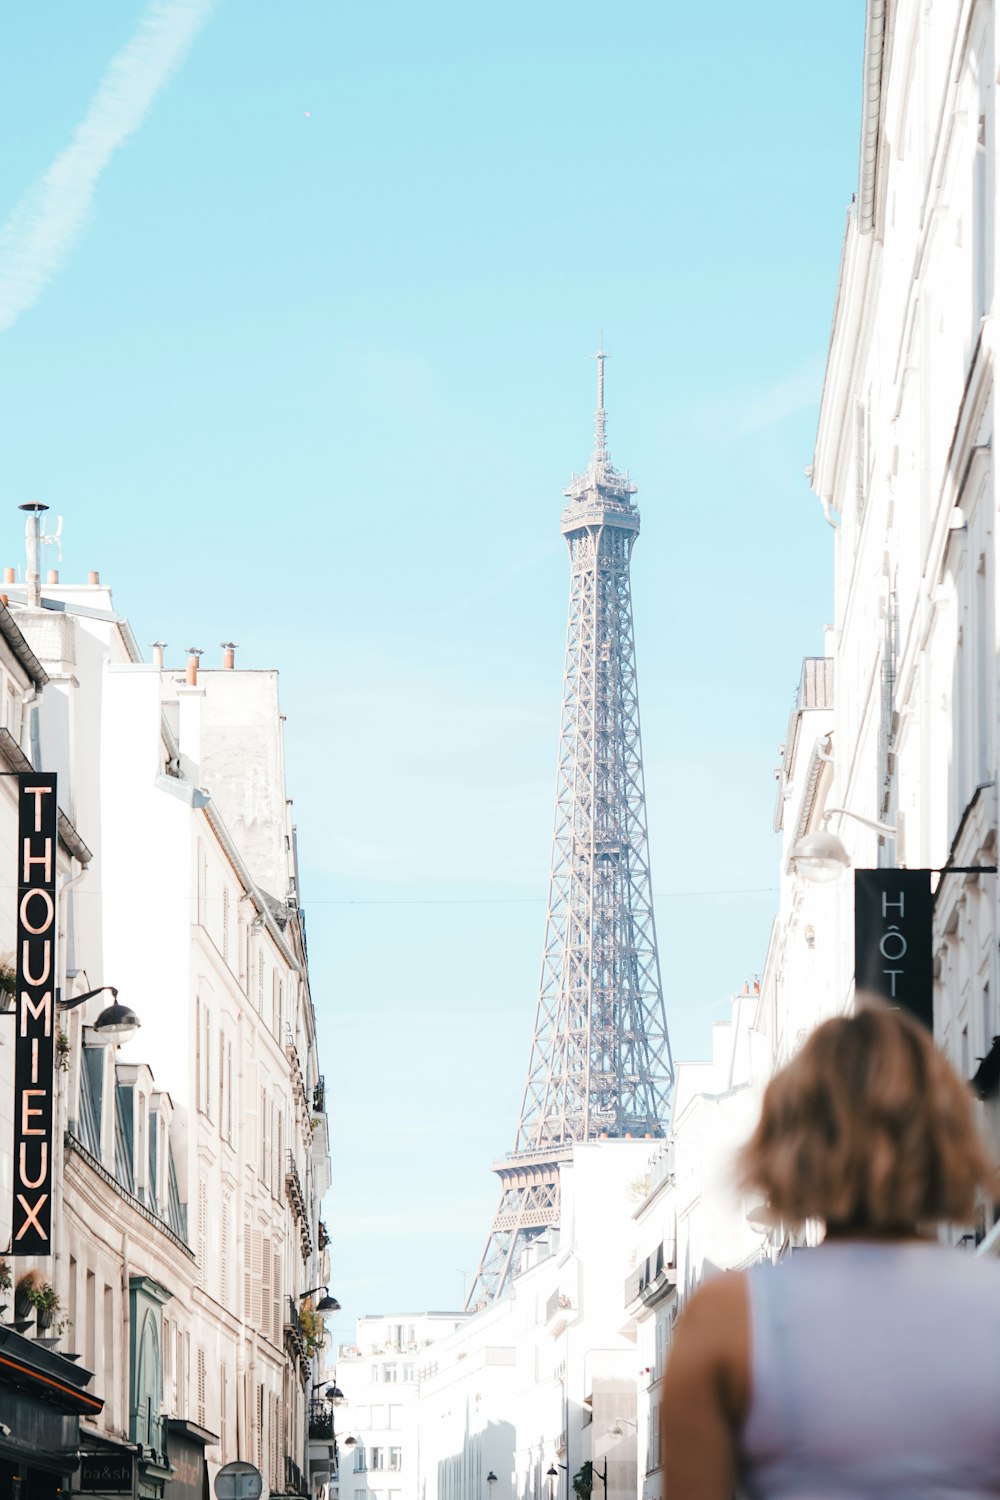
35	1013
893	913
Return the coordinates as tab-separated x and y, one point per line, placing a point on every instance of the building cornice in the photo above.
14	758
871	111
11	633
76	1148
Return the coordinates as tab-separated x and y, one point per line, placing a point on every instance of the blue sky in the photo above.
309	370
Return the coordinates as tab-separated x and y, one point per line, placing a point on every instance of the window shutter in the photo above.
207	1054
276	1294
260	1428
229	1091
202	883
247	1272
201	1386
260	984
222	1081
275	1442
860	458
197	1054
256	1278
225	924
202	1232
266	1268
225	1236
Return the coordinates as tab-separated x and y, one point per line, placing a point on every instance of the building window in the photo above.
408	1373
360	1459
376	1459
202	885
203	1057
395	1459
389	1374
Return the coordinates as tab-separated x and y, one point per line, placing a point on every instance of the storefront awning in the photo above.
186	1444
50	1378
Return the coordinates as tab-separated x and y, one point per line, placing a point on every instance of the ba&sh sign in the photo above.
34	1046
893	912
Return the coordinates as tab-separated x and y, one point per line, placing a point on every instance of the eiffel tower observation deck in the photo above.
600	1062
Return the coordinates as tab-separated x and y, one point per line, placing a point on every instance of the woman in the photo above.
871	1365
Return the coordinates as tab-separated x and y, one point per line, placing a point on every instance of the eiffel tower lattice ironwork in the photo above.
600	1056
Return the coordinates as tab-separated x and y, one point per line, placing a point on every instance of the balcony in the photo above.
320	1421
297	1203
295	1334
319	1097
295	1482
653	1279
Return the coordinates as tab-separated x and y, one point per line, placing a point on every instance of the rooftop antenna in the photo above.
600	416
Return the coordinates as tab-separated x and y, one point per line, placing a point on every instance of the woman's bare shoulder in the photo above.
711	1343
720	1303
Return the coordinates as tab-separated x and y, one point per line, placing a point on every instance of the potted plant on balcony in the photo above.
8	981
313	1327
33	1294
45	1300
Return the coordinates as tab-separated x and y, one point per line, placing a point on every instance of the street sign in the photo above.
106	1473
893	921
238	1481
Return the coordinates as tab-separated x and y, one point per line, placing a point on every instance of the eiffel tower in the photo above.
600	1061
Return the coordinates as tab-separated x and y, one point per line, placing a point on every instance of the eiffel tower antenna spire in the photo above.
600	1063
600	416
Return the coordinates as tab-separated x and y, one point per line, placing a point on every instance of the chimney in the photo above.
93	577
52	576
157	648
33	549
9	575
189	719
229	655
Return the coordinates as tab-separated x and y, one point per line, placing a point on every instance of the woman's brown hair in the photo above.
870	1129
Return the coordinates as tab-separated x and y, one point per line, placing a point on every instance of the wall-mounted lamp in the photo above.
116	1023
326	1303
491	1480
821	856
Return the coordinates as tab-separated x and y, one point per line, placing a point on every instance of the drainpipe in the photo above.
123	1364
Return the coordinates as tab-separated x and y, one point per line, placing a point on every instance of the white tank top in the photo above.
875	1372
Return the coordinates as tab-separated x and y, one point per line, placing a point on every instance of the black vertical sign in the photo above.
893	913
34	1046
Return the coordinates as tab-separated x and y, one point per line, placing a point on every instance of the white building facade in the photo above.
904	470
376	1418
189	1247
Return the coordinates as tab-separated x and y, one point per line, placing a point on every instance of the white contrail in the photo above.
45	224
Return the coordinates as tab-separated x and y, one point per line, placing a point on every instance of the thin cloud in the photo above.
775	403
45	225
